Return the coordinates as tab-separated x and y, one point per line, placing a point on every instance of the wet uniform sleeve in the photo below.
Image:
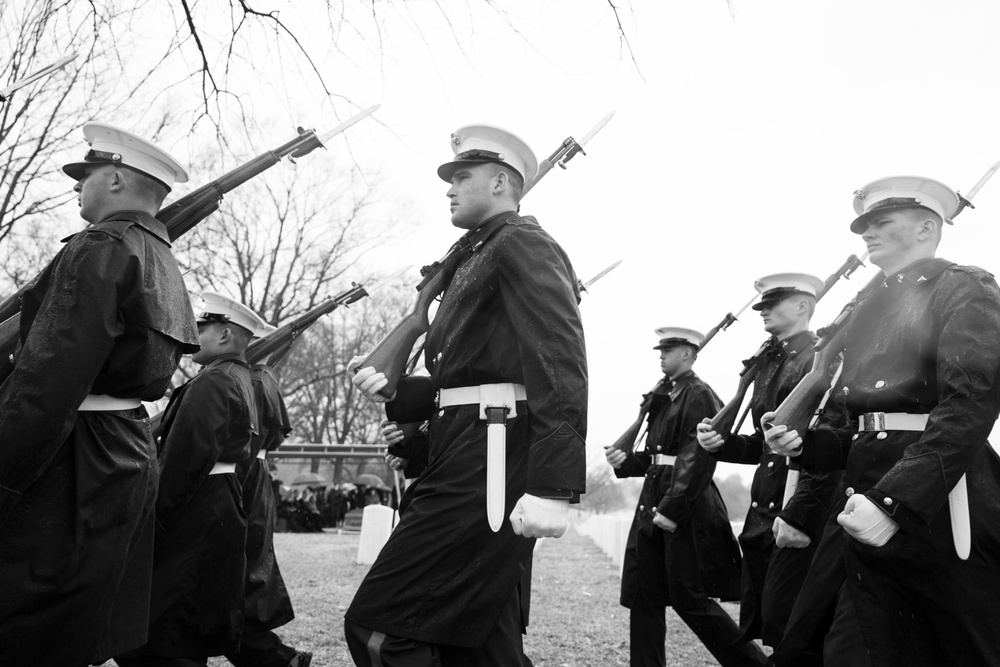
968	359
692	471
71	337
539	290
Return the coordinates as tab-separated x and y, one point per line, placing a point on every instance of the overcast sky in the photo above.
740	134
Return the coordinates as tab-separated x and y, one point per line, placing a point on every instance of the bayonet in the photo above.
31	78
584	286
567	149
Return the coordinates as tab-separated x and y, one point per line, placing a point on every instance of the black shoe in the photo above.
301	659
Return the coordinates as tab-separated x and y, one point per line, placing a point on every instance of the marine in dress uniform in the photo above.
199	563
102	328
908	420
680	550
445	588
771	577
267	603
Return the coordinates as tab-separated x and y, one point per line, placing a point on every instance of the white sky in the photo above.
734	151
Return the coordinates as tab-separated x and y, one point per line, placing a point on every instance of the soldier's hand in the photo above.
540	517
709	440
391	431
662	522
369	381
779	438
786	535
865	522
397	463
615	457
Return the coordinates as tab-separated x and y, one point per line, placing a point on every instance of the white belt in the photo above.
891	421
958	497
222	468
262	455
497	403
477	394
103	403
663	460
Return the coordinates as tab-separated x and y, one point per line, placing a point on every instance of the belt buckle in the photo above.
874	421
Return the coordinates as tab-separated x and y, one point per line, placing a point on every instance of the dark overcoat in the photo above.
509	315
700	558
109	315
199	561
776	372
267	603
927	341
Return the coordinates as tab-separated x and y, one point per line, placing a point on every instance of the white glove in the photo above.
865	522
391	432
397	463
540	517
369	381
707	438
788	536
779	438
614	456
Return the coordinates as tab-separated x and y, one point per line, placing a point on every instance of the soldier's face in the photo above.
91	191
780	316
210	339
891	236
471	195
671	360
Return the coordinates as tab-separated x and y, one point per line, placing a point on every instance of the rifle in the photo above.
273	347
189	210
31	78
723	422
393	351
724	324
627	441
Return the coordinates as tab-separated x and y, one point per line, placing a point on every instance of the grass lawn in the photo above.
575	617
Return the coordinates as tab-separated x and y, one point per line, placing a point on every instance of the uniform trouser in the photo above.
785	573
503	646
261	648
713	626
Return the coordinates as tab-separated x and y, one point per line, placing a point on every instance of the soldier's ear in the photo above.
117	181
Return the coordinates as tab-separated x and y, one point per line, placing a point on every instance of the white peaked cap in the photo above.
895	192
674	336
476	144
778	286
217	307
113	145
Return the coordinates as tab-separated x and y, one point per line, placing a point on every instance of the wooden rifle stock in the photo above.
178	218
798	408
723	422
393	351
626	442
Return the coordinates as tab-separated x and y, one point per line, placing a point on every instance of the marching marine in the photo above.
680	550
102	328
507	338
908	421
196	607
772	576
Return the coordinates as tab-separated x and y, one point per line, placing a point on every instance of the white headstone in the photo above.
376	526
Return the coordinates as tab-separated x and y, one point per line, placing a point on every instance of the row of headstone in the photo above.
609	533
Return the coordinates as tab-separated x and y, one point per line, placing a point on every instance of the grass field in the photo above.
575	617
